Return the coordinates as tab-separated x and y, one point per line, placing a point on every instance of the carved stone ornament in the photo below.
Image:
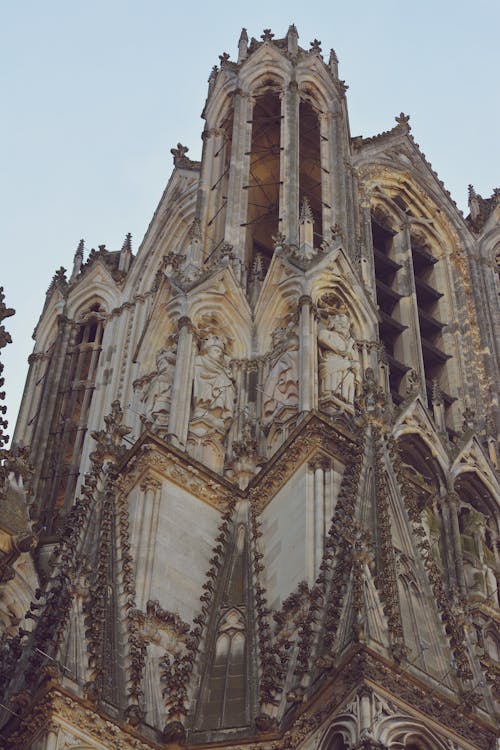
213	388
339	367
157	394
281	386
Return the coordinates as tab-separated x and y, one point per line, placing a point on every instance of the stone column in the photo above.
453	504
329	494
367	264
319	515
326	173
409	343
239	174
308	395
55	374
51	737
205	184
146	540
337	168
365	700
38	362
448	540
182	385
289	166
310	524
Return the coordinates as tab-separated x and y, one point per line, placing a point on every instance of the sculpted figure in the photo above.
159	394
339	369
430	522
213	390
281	387
479	560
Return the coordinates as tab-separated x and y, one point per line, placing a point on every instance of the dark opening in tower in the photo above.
71	417
431	327
264	183
390	327
310	166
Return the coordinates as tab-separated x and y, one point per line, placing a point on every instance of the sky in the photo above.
95	94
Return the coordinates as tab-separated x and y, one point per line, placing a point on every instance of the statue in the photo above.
158	395
281	387
213	390
479	561
339	369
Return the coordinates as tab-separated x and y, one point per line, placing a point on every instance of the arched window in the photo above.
225	703
71	416
310	167
264	179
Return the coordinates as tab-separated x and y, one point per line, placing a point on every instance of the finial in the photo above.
315	46
243	45
267	36
403	122
179	154
195	230
333	63
125	254
474	206
305	211
127	243
293	38
212	77
224	58
77	260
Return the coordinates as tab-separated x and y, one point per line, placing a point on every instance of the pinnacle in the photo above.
127	243
305	211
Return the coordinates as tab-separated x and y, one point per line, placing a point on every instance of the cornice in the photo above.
151	454
313	434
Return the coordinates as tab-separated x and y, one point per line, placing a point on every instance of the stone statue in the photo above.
432	527
158	395
479	560
339	369
281	386
213	388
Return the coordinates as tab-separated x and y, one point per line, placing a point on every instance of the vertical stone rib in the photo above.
237	196
181	389
289	167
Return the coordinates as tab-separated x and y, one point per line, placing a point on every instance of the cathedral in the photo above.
252	498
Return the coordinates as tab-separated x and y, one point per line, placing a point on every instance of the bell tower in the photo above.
275	131
254	497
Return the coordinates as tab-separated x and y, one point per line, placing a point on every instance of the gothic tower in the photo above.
255	468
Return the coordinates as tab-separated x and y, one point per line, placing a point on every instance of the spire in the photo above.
293	39
125	254
212	77
473	203
333	62
305	211
243	46
306	225
77	260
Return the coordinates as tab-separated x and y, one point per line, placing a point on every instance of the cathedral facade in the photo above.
253	499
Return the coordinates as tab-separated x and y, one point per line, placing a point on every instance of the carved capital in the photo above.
305	299
185	322
150	483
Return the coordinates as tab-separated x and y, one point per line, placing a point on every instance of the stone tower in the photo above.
255	464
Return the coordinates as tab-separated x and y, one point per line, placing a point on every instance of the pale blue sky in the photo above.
95	94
